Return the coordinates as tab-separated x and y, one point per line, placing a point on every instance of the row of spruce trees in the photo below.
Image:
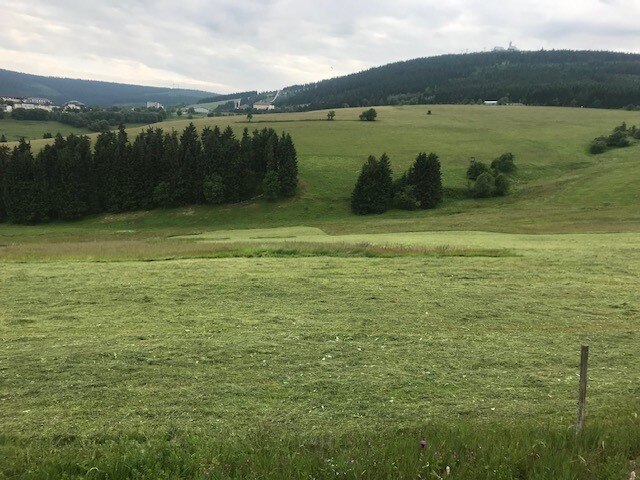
68	179
419	188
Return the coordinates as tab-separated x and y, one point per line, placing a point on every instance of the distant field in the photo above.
296	340
32	130
13	130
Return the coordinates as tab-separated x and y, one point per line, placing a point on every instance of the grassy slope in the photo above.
208	353
314	347
13	130
560	187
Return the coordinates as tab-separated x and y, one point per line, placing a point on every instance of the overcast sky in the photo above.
232	45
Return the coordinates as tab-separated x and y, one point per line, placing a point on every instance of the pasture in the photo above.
13	130
295	340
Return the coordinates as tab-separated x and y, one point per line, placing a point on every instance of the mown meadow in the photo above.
295	340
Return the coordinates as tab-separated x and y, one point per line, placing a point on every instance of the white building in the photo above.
263	105
491	103
33	106
38	101
201	110
155	105
73	105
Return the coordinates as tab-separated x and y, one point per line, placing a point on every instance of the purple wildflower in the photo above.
423	443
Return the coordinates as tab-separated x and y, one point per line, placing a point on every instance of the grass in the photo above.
559	186
295	340
13	130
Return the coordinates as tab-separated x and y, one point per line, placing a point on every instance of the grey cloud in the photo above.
227	45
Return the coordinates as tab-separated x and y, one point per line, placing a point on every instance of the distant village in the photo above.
8	104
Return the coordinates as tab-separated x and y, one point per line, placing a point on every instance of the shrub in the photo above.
598	145
406	199
3	139
502	184
213	189
476	169
504	163
369	115
484	187
47	135
618	139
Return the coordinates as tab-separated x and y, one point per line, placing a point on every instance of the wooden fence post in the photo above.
582	392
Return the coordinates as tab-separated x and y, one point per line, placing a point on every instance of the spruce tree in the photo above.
23	193
426	180
5	155
373	192
287	166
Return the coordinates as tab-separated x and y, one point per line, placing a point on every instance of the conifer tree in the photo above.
23	193
426	179
374	188
287	166
271	185
4	159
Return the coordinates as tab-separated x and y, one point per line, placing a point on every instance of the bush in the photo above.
47	135
99	126
484	187
504	163
502	184
598	145
618	139
476	169
406	199
369	115
3	139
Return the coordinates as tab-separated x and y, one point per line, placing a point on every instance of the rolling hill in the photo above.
92	92
553	78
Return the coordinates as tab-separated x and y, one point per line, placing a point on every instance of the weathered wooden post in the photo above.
582	392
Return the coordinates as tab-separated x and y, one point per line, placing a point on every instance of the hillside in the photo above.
556	77
91	92
294	339
559	186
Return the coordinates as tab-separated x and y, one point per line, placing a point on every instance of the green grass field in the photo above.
295	340
14	130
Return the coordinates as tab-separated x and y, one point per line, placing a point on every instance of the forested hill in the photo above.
555	77
90	92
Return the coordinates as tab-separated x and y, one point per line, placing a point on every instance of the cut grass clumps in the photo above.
140	250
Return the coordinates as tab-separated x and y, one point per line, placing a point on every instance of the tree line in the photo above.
94	119
69	179
556	77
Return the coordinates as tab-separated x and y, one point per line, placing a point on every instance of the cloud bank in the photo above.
226	46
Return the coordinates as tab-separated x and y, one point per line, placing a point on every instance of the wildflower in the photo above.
448	470
423	443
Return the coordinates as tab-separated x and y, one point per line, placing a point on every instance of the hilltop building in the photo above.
510	48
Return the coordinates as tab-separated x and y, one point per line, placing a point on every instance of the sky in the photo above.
227	46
